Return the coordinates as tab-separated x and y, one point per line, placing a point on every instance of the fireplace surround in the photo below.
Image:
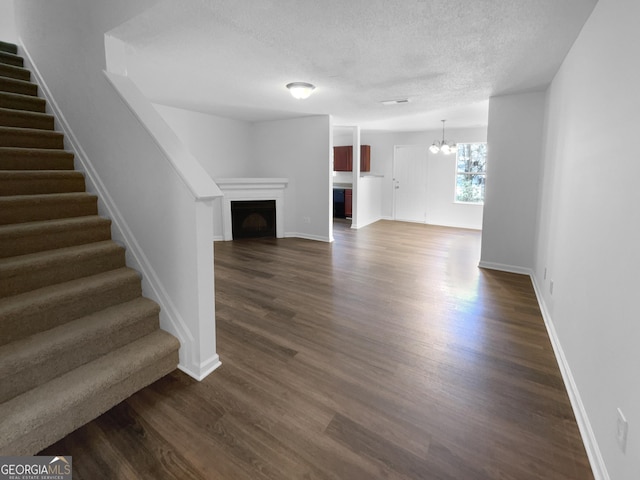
252	189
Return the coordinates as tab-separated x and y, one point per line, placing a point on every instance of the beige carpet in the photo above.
76	335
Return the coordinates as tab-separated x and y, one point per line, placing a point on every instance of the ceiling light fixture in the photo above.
443	146
301	90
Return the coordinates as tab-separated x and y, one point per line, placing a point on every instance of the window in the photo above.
471	163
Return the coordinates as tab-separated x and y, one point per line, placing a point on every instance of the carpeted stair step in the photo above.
30	138
24	119
57	266
11	71
18	86
45	308
31	237
17	101
34	182
76	335
47	413
11	59
35	360
32	208
8	47
35	159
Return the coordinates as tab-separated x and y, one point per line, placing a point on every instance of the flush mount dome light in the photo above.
300	90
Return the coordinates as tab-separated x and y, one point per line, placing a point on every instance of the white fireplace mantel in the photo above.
240	189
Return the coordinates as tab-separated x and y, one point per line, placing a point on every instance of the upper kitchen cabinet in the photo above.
343	158
365	158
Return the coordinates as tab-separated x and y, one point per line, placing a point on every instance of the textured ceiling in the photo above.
234	57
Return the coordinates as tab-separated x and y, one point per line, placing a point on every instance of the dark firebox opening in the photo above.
253	218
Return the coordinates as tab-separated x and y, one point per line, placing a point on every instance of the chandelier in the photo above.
443	146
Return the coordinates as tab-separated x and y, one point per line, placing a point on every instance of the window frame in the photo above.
460	172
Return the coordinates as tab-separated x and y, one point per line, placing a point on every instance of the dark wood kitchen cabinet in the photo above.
343	158
365	158
348	202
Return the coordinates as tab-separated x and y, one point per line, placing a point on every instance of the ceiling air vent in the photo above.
395	102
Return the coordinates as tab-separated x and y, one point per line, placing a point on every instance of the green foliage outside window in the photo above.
471	165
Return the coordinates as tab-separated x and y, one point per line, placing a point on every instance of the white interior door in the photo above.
410	183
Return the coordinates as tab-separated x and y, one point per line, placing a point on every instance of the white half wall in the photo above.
514	150
369	201
300	150
588	232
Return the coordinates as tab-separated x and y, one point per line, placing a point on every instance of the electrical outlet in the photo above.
306	219
551	287
622	430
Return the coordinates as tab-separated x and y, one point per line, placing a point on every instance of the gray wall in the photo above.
589	228
299	149
514	143
8	31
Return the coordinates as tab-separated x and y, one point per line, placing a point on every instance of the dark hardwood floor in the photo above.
386	355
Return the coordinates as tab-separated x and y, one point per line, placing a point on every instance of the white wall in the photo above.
589	228
8	31
154	211
298	149
342	138
441	210
222	145
343	177
513	164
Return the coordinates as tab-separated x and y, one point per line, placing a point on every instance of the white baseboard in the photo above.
306	236
584	425
586	432
506	268
290	235
362	225
205	369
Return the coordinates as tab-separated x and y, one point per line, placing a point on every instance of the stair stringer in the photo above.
171	319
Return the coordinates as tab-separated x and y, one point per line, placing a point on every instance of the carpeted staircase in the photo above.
76	335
